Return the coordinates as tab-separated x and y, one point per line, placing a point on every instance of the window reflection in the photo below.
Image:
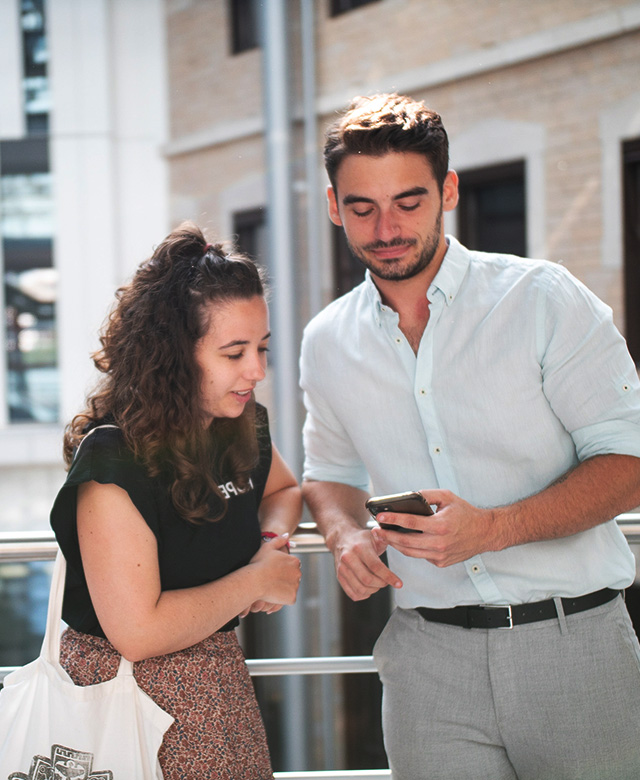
31	345
35	58
30	282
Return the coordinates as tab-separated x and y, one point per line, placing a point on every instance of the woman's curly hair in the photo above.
151	383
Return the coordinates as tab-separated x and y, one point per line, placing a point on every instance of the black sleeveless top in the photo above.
188	554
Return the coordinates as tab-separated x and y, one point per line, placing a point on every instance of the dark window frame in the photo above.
631	244
339	7
348	271
246	225
476	182
244	25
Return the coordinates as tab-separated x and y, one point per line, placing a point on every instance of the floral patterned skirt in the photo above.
218	731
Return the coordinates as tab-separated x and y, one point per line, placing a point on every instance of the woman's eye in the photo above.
235	357
263	349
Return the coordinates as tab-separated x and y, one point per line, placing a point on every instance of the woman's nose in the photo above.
256	368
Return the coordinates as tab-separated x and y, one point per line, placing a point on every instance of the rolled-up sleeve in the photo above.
588	375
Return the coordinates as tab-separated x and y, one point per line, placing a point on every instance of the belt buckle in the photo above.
509	615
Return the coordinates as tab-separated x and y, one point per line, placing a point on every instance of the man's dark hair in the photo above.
380	124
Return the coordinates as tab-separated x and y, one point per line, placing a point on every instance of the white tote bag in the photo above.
52	729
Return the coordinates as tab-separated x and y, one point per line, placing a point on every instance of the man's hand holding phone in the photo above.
410	503
454	533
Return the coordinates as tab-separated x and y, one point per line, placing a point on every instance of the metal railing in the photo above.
28	546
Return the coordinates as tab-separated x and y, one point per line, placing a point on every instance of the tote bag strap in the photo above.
51	642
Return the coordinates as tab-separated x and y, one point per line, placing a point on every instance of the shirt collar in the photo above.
448	280
452	272
373	294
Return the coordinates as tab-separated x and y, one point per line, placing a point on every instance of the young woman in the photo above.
176	511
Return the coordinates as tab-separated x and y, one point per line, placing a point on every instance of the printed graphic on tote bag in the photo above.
65	764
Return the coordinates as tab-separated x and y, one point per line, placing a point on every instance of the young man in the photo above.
500	388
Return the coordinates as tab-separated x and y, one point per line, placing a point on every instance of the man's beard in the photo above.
394	270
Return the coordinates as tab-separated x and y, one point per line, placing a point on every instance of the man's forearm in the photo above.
335	507
595	491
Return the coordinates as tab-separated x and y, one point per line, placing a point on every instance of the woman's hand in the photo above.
280	574
279	512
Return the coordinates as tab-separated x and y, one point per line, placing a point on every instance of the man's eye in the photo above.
404	207
362	213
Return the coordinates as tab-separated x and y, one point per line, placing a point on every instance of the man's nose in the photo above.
387	226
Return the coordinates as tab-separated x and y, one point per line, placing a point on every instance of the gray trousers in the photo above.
554	700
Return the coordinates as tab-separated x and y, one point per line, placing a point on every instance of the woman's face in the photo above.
232	355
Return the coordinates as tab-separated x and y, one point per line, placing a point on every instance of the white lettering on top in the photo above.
230	489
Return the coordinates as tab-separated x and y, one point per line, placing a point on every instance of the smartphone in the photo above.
410	503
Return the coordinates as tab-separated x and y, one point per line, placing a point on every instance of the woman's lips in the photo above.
242	395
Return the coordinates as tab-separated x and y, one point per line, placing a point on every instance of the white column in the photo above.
84	181
108	126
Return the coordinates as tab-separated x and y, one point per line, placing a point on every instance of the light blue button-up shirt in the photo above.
520	375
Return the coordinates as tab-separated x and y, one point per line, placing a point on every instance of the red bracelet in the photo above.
268	535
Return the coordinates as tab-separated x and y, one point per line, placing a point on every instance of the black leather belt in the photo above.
501	616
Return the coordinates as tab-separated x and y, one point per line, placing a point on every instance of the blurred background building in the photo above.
121	118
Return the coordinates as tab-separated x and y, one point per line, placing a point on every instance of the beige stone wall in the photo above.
200	179
395	35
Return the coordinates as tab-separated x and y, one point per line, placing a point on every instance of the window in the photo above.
338	7
26	233
250	231
245	25
492	209
26	230
35	58
250	228
348	271
631	217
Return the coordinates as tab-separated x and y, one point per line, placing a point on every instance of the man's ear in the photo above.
332	205
450	191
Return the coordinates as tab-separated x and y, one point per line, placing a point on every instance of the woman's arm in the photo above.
281	506
279	513
120	559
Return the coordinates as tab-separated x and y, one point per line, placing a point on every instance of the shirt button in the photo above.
398	341
437	450
423	391
475	568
